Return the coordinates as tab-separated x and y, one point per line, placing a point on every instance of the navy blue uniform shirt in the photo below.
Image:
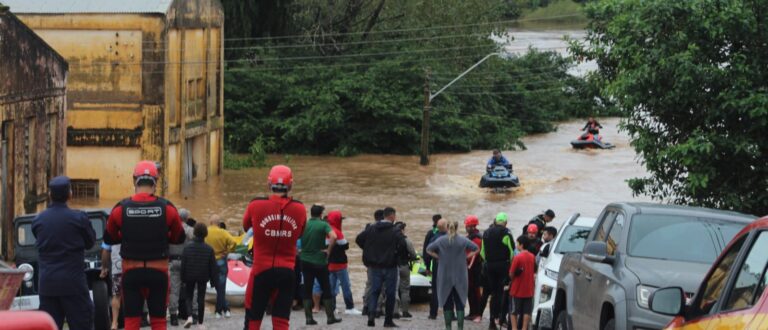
63	235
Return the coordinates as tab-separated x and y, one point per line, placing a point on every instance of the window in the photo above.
24	235
98	227
713	286
85	188
605	226
572	239
614	237
660	236
751	281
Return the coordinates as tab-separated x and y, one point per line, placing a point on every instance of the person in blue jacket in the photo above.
497	160
63	235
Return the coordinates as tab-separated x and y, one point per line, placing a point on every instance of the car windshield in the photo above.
572	239
679	238
98	226
24	234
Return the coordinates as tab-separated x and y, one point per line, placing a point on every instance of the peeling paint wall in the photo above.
33	80
147	82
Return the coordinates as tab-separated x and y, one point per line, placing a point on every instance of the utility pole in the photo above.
428	96
425	121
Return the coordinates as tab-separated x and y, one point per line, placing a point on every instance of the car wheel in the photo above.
101	305
610	325
562	321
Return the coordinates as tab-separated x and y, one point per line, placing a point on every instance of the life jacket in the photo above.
495	249
144	229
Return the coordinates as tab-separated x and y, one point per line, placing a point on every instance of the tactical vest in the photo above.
144	229
495	249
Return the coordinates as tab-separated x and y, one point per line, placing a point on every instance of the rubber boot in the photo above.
460	319
448	317
330	307
308	312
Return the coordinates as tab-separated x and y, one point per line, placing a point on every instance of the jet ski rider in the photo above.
498	160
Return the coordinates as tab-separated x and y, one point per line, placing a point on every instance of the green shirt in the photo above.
313	241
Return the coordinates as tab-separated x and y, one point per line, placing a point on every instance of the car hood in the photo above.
665	273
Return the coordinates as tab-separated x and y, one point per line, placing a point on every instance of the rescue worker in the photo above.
475	269
592	127
497	160
278	222
497	251
62	236
540	220
144	225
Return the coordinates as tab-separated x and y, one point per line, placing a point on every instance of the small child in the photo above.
522	272
198	266
549	235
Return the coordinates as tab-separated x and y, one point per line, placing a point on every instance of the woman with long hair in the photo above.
452	283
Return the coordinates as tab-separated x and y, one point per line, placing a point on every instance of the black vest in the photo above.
145	229
495	249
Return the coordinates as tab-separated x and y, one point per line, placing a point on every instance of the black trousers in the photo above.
281	280
155	282
76	309
497	276
320	272
433	303
189	291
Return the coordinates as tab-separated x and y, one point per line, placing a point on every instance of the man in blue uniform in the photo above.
62	236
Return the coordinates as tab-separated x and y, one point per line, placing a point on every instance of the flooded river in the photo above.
552	175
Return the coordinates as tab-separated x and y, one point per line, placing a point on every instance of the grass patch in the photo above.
539	18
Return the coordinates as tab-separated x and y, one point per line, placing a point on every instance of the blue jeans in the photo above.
386	277
342	278
221	287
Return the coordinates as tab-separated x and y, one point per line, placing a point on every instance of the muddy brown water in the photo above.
552	175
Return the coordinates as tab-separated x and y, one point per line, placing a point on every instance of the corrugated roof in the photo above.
88	6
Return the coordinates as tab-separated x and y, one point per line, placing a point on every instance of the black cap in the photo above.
59	188
550	213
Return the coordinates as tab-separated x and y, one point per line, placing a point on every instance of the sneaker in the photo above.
407	315
218	315
227	314
432	317
353	311
371	323
188	323
390	324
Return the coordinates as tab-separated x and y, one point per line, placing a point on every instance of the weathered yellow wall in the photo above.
173	171
200	157
113	167
104	119
214	153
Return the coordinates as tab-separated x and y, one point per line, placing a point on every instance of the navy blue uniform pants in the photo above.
76	309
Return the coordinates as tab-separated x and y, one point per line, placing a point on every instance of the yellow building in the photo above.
33	79
145	82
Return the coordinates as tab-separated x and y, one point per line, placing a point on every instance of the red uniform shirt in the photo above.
175	228
278	222
522	285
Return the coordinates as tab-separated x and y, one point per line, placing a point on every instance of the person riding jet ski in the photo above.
497	160
592	127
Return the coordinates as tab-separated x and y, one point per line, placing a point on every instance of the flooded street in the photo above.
552	175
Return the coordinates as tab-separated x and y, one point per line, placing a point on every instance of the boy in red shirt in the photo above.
522	272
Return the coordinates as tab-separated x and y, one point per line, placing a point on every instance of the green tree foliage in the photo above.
691	77
348	77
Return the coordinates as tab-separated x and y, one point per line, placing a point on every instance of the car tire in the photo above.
610	325
562	321
102	320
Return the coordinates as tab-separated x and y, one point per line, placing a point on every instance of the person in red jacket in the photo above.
144	224
475	268
277	221
522	273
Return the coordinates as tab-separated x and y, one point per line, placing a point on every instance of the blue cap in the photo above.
59	187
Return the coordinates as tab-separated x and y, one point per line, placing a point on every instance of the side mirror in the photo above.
668	301
597	251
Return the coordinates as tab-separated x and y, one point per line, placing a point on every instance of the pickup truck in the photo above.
632	250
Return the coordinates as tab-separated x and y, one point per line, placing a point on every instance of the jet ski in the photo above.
421	283
500	177
591	141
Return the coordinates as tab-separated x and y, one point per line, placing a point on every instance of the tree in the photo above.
692	79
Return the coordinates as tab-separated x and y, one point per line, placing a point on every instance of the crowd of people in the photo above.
152	251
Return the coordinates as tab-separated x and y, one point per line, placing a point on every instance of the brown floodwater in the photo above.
552	175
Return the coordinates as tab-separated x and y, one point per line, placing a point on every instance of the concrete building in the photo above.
33	103
146	82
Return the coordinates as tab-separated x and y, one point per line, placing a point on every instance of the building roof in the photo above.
88	6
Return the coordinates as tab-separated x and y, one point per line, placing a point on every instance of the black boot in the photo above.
174	320
308	312
388	323
371	321
330	307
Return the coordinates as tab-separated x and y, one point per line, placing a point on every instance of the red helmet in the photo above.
533	229
471	220
145	170
280	178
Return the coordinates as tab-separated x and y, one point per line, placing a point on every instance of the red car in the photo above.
732	295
